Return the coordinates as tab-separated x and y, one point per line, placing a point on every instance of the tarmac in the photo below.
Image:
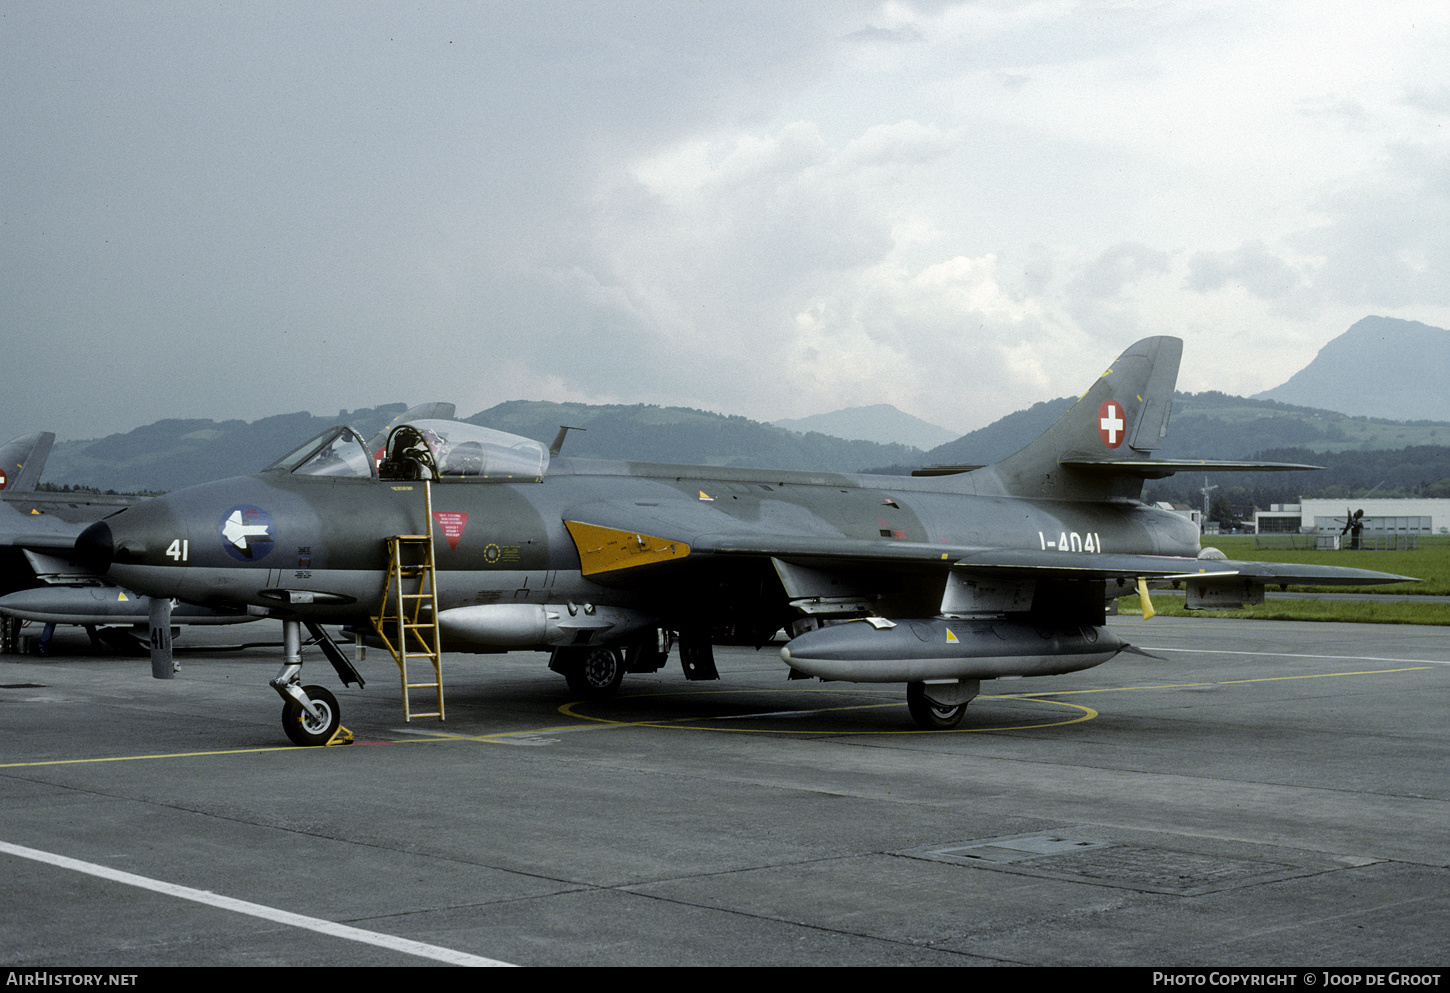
1264	794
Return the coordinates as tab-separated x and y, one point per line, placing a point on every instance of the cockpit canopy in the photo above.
422	449
337	451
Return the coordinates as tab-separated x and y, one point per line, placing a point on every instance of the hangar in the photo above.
1382	516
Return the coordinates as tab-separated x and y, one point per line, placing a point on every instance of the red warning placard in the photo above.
452	522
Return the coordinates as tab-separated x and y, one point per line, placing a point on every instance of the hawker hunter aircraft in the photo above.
42	583
935	581
39	578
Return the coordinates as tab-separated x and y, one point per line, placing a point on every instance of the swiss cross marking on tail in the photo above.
1111	422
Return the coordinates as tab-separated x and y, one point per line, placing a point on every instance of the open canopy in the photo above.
423	449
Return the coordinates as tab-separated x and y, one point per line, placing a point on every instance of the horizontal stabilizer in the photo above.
1161	468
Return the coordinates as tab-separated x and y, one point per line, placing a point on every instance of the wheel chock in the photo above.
342	736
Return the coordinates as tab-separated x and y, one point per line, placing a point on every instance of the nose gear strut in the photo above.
310	714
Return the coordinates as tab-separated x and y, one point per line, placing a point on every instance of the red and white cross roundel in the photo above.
1111	423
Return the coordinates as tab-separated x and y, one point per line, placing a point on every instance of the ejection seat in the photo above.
407	455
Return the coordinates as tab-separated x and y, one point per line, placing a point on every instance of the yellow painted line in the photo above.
286	748
494	736
137	758
1222	682
1293	655
675	724
679	723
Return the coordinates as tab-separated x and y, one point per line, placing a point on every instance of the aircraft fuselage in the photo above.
272	539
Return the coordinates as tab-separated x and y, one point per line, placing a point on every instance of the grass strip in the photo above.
1352	611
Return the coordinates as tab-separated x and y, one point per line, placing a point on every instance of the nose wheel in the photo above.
306	729
310	714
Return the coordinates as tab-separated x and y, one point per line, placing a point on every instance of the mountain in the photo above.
1380	367
881	423
171	454
1002	437
680	434
1212	425
174	453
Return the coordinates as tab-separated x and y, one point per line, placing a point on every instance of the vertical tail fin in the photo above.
1122	416
21	460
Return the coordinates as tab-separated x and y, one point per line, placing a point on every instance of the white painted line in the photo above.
404	945
1291	655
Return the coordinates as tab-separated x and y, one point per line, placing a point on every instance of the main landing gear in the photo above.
592	673
940	706
595	672
310	714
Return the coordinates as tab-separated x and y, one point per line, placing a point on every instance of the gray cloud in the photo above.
1387	243
1252	266
227	211
1119	266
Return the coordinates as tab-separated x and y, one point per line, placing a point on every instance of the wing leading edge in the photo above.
615	548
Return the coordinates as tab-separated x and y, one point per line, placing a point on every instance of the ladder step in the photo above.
409	611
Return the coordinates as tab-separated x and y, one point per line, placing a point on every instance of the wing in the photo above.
825	572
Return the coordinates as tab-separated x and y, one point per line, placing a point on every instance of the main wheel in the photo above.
930	715
596	673
302	727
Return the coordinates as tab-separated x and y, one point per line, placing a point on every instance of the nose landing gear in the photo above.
310	714
318	727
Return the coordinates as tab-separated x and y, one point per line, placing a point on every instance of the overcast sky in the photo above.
230	210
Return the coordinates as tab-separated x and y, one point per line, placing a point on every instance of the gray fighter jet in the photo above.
936	581
41	582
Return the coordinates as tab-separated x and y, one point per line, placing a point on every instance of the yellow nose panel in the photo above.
609	549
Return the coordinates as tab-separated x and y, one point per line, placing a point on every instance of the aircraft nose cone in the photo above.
95	548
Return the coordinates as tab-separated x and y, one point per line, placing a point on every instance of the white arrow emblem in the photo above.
237	533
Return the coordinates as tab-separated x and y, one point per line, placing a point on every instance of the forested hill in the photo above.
1211	425
174	453
171	454
681	434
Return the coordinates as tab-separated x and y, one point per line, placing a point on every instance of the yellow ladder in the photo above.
408	621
